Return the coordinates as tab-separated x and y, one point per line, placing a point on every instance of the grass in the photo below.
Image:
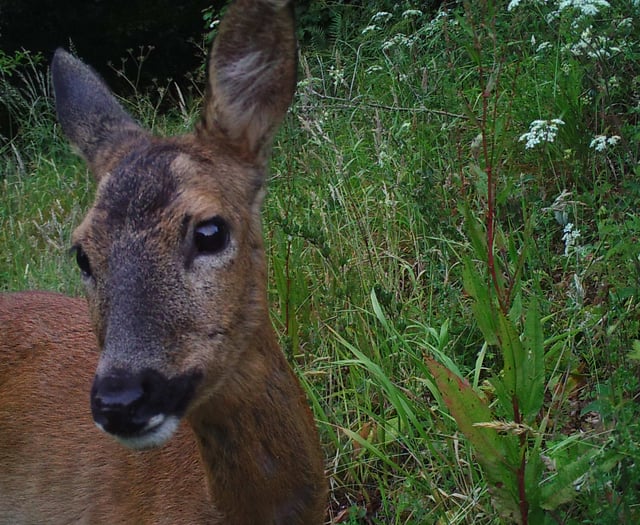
406	220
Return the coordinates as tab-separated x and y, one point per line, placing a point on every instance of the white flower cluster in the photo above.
336	75
602	142
570	237
593	46
582	7
542	48
399	40
585	7
412	12
541	131
379	18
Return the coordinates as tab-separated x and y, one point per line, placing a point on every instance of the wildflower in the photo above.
585	7
543	47
398	40
516	3
625	23
381	16
577	9
569	237
369	28
541	131
602	142
593	46
336	75
412	12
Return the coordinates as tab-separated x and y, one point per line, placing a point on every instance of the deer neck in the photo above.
256	440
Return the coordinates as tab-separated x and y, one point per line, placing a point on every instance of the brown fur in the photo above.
247	451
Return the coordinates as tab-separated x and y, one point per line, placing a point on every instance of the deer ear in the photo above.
89	114
252	75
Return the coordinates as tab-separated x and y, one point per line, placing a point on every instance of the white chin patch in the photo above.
158	431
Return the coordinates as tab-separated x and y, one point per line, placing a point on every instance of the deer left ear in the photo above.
90	116
252	76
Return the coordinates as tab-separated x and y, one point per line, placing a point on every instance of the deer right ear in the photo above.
252	76
89	114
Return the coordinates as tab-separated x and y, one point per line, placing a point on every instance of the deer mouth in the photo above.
141	410
158	431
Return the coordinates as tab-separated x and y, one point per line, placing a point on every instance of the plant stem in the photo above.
491	206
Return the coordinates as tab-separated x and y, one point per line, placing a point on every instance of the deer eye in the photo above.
211	236
82	260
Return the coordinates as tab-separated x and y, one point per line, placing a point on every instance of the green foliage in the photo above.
9	63
619	476
452	236
23	94
508	438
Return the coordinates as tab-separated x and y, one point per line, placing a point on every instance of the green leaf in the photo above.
504	397
532	475
475	231
531	394
483	309
560	488
523	373
512	354
377	310
467	408
370	447
408	417
635	352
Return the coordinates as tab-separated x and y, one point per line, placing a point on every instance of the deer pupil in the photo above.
211	236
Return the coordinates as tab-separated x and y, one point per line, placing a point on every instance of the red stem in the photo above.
491	206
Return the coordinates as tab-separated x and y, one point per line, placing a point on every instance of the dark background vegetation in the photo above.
102	31
140	45
116	36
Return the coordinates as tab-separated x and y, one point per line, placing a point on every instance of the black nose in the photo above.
118	403
124	403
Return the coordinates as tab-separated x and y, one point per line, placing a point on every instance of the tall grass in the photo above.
409	223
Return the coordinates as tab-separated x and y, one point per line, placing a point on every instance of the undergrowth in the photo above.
452	239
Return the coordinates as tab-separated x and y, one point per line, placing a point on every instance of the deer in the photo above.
171	354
